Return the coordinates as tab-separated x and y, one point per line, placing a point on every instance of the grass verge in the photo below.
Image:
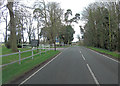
113	54
11	58
8	51
15	70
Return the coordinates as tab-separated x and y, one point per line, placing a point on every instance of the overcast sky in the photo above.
77	6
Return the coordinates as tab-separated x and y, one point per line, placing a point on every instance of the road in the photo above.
76	65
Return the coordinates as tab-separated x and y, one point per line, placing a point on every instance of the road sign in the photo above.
34	43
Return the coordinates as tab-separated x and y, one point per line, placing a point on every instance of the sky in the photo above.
77	6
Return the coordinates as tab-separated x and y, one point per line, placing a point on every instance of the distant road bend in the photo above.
76	65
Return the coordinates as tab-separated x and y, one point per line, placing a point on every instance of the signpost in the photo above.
34	43
57	41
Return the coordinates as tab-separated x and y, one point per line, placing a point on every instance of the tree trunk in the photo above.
109	32
13	41
54	46
38	32
29	39
119	28
6	31
22	31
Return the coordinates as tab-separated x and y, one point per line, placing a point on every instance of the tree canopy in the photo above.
101	29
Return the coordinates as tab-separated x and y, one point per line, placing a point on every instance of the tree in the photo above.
118	27
5	16
74	19
78	37
67	34
67	14
30	29
38	16
101	25
13	43
52	22
81	30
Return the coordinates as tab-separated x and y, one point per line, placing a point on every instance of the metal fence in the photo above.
19	53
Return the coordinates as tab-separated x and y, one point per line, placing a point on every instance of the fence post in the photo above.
43	46
22	45
49	47
40	51
32	53
45	49
19	57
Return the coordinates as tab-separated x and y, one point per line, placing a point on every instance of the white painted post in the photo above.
40	51
49	47
32	53
22	45
45	49
19	57
43	46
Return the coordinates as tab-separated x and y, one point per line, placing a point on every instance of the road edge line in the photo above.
39	70
105	56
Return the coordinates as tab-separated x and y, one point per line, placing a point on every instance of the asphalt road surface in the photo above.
76	65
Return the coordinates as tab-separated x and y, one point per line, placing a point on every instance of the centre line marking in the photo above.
80	51
95	79
83	57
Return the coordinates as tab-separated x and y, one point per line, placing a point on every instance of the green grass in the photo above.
13	71
114	54
11	58
8	51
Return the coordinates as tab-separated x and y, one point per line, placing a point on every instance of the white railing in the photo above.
20	59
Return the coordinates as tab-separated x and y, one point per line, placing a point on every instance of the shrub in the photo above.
7	44
19	46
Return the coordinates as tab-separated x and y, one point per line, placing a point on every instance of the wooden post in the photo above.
49	47
19	57
40	51
45	49
32	53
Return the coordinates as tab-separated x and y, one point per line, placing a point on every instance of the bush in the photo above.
19	46
7	45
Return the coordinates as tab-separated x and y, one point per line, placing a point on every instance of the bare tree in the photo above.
13	42
78	37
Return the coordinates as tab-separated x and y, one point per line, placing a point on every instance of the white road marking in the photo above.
80	51
105	56
83	57
95	79
38	70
